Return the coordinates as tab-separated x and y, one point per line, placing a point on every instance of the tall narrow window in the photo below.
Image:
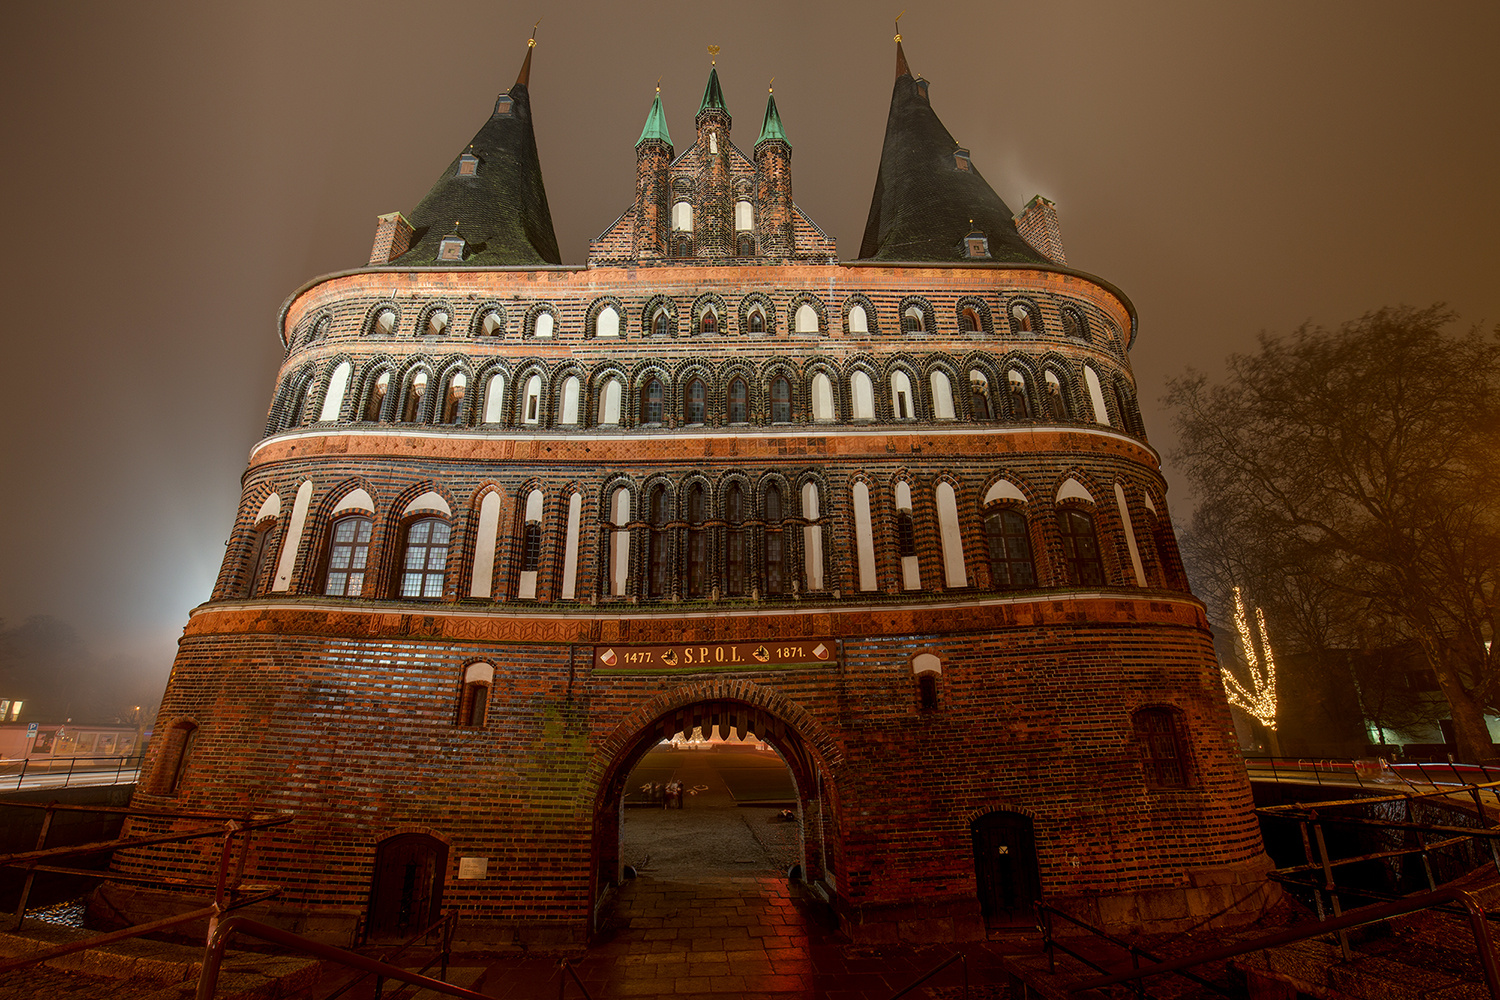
652	398
172	766
968	320
567	409
619	541
1022	319
348	557
531	547
695	402
609	402
781	401
906	539
775	544
474	704
259	563
744	216
375	402
453	401
426	559
912	320
739	401
1020	407
822	397
661	324
697	542
979	397
1057	404
1009	541
806	319
494	400
682	217
607	323
863	392
1096	395
1080	547
906	536
942	395
756	321
338	384
1160	739
682	247
812	538
736	572
543	325
412	412
708	322
859	322
901	407
657	562
744	245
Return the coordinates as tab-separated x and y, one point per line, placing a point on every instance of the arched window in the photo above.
425	560
531	546
697	542
906	536
695	402
822	397
656	555
1080	547
901	407
744	216
862	391
348	557
682	217
543	325
979	397
261	554
812	538
775	544
912	320
682	247
739	401
708	322
736	572
338	384
806	319
652	398
453	400
1158	733
375	402
412	412
906	539
859	322
661	324
1057	404
1096	395
955	572
942	395
531	401
385	323
473	705
1120	409
1022	318
1009	541
619	541
609	402
607	323
493	324
927	668
744	245
968	320
494	400
1074	325
756	321
437	322
781	401
1020	406
173	763
567	410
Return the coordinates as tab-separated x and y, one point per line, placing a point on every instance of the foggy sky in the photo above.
174	170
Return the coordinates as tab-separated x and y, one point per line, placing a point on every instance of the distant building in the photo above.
513	522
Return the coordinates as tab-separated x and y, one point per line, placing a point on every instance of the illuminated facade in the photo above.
514	521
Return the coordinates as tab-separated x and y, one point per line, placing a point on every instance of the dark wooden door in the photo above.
1005	866
406	893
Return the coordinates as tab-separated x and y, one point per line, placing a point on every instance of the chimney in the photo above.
1038	226
392	238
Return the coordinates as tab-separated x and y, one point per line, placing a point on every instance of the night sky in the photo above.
174	170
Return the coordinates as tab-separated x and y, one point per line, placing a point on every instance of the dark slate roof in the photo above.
923	203
501	210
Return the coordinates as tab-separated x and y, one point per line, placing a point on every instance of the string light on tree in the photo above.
1259	699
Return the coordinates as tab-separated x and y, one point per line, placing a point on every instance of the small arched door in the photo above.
1005	866
406	892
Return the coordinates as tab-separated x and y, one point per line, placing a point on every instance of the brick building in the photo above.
513	521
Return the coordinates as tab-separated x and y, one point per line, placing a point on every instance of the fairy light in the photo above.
1259	699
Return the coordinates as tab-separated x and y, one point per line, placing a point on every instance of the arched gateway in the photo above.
738	710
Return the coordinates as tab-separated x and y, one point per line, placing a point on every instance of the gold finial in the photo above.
769	88
532	43
898	25
713	50
658	85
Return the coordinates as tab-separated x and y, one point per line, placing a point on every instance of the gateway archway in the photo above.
732	718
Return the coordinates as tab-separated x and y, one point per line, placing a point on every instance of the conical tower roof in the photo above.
713	96
925	200
770	129
656	124
497	198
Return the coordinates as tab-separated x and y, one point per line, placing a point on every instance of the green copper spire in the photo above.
656	124
713	97
770	129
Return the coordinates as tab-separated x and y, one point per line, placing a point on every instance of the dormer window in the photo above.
468	165
503	105
452	248
976	245
961	160
922	89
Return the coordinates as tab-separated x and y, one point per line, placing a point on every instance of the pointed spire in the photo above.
656	123
495	186
770	129
713	97
929	196
901	68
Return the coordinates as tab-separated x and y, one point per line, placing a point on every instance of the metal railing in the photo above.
956	957
44	771
447	923
1372	772
1046	912
566	966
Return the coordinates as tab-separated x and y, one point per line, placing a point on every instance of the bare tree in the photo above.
1351	476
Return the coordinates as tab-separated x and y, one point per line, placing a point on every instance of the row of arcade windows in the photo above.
699	402
698	542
